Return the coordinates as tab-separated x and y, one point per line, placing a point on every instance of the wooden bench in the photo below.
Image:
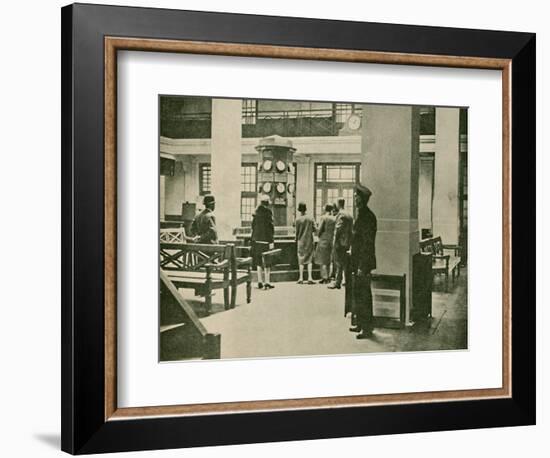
388	299
201	267
190	260
182	335
445	258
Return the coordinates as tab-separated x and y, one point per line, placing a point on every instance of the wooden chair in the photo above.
445	258
271	257
241	272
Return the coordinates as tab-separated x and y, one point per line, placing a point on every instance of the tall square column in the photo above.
305	182
446	202
390	167
226	164
162	197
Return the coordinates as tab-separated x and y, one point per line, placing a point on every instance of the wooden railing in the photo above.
287	123
182	335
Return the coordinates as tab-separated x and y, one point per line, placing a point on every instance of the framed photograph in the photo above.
283	228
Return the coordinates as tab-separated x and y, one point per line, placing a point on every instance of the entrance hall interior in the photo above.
413	158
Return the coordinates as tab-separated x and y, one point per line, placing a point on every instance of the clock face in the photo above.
354	122
290	188
280	188
281	167
267	165
266	187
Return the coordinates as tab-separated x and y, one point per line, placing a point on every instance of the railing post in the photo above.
212	346
208	288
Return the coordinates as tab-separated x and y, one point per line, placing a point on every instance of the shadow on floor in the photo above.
53	440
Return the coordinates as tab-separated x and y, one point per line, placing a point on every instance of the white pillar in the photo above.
389	167
226	164
445	203
304	182
425	193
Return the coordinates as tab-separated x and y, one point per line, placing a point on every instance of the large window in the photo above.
249	191
250	111
335	181
205	179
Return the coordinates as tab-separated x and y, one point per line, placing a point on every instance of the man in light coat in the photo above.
342	242
204	225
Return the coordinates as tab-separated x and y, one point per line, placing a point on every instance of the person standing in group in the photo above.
342	241
323	254
262	240
204	225
332	273
305	229
363	261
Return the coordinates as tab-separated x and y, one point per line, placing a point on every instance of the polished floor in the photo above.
299	320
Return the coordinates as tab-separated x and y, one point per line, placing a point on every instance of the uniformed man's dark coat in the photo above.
363	252
363	257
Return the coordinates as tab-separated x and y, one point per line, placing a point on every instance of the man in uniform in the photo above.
342	239
363	261
204	225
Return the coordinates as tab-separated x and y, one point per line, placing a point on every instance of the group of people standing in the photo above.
344	245
334	232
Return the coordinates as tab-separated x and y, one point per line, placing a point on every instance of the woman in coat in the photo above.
323	254
305	228
262	240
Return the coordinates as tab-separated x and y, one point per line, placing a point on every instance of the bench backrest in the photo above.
395	283
192	256
172	235
379	284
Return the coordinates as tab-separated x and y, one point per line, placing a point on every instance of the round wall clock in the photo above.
280	188
267	165
290	188
354	122
281	167
266	187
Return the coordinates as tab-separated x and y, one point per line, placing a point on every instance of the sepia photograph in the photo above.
307	228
